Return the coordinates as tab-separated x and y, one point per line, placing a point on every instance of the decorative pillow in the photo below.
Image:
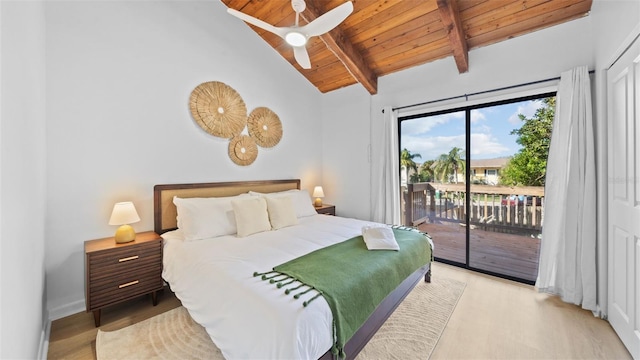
201	218
300	198
281	211
379	238
251	215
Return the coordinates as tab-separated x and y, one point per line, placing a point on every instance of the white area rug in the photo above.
411	332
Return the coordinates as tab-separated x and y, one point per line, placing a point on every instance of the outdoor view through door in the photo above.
473	178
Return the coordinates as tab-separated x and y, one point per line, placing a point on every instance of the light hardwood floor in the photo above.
494	319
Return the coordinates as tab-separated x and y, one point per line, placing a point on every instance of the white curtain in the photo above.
568	249
385	189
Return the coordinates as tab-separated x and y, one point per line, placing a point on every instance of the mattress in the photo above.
248	318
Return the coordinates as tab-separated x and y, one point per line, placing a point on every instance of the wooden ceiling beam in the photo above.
450	16
344	50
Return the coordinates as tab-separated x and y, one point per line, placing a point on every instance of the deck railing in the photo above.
493	208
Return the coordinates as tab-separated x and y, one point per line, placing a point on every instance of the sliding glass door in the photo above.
473	178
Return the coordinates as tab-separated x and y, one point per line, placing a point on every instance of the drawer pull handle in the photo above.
128	284
128	258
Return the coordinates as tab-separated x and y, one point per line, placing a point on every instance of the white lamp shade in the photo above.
124	213
317	192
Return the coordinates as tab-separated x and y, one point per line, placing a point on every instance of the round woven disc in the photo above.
243	150
218	109
265	127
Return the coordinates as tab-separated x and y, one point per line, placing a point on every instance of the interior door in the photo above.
623	80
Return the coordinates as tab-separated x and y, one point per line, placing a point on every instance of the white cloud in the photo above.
421	126
431	148
528	109
477	115
419	138
486	146
486	129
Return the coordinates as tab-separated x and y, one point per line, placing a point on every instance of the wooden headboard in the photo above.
164	211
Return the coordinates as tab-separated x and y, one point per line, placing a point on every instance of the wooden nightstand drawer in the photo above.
119	272
125	255
125	287
106	264
124	277
99	273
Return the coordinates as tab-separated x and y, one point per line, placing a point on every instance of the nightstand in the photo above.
119	272
326	209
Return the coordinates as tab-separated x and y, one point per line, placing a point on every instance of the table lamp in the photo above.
124	213
318	194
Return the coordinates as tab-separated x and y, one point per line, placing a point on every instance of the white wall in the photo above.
536	56
119	76
345	135
22	178
614	21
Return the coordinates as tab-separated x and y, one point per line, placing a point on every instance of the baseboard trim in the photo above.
43	349
66	310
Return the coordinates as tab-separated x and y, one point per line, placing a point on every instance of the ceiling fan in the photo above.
296	35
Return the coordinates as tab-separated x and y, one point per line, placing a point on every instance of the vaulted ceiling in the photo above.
384	36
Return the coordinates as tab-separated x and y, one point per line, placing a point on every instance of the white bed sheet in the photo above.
248	318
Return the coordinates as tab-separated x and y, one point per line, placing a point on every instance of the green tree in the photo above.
424	174
426	171
528	167
406	161
448	164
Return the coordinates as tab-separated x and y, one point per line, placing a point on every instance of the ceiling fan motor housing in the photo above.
298	5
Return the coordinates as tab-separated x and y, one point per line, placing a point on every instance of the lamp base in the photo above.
318	202
125	234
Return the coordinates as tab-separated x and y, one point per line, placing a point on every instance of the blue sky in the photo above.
490	128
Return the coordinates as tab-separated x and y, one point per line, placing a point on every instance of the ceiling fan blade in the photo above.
302	56
257	22
328	20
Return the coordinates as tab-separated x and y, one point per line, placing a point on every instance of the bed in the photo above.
212	277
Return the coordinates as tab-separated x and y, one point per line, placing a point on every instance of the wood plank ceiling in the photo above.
384	36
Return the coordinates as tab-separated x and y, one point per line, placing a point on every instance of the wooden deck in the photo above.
508	254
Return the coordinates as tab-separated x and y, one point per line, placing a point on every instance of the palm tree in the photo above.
406	161
450	163
426	171
424	174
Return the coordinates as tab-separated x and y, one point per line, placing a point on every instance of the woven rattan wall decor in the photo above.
220	111
265	127
243	150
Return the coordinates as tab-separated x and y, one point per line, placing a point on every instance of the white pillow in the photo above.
251	215
173	235
300	198
201	218
379	238
281	211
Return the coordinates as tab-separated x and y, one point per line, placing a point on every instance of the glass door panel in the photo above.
507	162
432	160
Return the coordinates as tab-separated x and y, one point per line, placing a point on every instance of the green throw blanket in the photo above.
352	279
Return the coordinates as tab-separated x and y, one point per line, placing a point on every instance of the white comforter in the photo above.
248	318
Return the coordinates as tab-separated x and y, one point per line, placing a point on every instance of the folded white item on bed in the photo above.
379	238
248	318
